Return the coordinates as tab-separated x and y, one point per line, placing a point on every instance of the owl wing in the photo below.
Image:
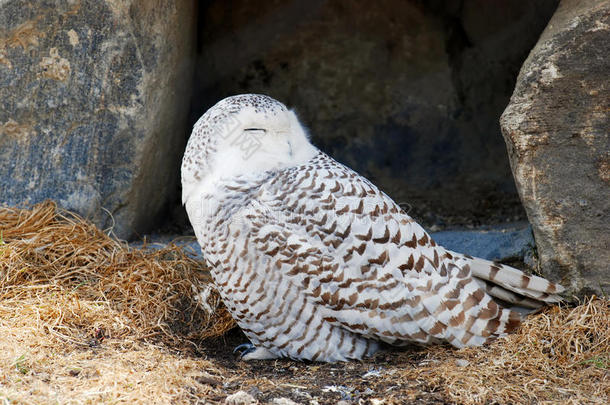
335	243
326	238
302	286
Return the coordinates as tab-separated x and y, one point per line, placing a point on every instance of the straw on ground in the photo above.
85	318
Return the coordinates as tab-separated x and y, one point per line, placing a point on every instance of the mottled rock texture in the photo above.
93	104
556	128
408	93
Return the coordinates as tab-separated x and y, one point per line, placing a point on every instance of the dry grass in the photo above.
87	319
66	286
79	282
559	356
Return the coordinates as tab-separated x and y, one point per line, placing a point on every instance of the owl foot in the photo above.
244	349
248	351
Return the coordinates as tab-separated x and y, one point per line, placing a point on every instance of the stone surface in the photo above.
556	128
94	97
240	398
498	243
408	93
283	401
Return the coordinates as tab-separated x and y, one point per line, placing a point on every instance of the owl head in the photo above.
243	135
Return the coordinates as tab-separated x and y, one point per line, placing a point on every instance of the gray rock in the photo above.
240	398
498	243
283	401
462	362
556	128
94	97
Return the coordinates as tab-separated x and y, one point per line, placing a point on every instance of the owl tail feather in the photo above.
464	311
512	285
461	313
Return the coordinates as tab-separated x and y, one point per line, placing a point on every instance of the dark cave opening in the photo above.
406	93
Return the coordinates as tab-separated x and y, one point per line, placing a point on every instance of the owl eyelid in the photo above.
255	129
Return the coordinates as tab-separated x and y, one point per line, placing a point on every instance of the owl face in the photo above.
244	135
247	124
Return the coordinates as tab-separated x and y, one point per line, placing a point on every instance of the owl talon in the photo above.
248	351
244	349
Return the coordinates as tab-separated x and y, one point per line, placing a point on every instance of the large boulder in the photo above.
556	128
94	97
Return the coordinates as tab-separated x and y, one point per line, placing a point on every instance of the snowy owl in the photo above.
315	262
